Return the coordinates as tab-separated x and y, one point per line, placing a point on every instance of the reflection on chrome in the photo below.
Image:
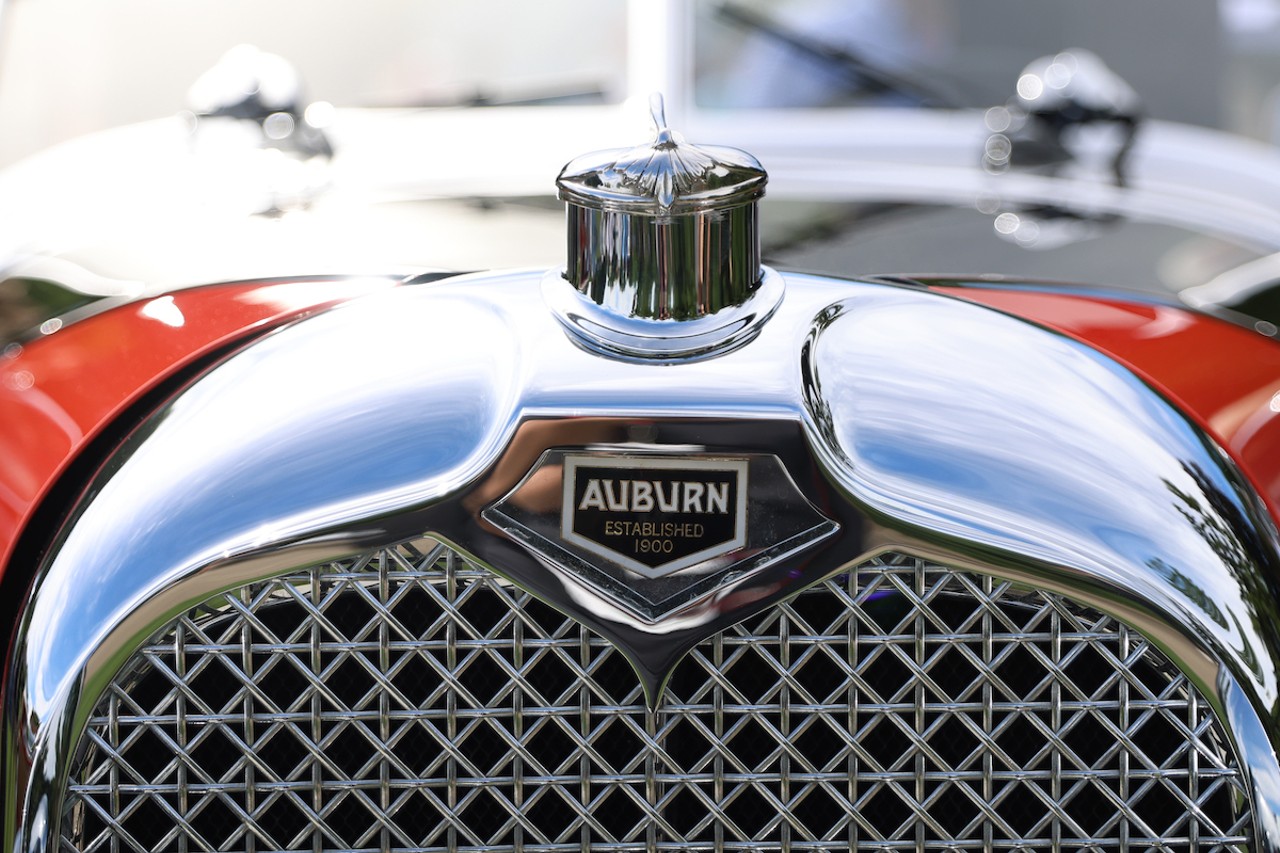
663	249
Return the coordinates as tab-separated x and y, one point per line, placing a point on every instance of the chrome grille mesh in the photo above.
407	700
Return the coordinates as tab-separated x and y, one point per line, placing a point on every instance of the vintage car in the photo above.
312	537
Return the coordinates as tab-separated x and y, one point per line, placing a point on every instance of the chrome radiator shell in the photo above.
311	448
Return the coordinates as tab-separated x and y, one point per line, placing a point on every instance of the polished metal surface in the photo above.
601	330
408	699
658	235
666	177
1057	98
774	522
919	423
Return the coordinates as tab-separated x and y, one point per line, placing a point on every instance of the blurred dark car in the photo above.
907	483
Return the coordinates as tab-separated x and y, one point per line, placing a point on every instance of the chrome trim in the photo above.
410	411
677	269
600	330
666	177
775	523
660	236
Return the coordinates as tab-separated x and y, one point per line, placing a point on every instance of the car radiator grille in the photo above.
409	700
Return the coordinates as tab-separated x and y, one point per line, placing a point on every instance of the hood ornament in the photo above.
663	249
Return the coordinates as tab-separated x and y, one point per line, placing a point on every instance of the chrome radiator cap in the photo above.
663	248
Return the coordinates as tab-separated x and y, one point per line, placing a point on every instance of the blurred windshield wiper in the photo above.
861	75
480	97
564	96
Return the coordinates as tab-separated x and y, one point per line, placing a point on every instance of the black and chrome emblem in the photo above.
658	532
655	515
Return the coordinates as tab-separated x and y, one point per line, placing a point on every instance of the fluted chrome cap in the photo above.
665	178
667	231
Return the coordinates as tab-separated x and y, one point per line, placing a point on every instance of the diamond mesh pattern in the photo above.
407	700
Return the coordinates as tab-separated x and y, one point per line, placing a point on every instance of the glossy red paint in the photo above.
59	391
1224	376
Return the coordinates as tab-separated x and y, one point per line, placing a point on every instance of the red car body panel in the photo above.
58	392
1182	354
